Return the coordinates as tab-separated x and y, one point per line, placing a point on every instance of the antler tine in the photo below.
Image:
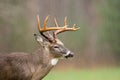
38	21
75	28
65	22
45	22
56	24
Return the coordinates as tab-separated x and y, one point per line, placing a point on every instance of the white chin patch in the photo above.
54	61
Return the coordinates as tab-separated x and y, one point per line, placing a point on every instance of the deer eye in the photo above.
56	46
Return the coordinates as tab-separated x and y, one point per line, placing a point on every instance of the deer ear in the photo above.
40	40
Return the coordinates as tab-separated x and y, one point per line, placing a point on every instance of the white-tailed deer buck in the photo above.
36	65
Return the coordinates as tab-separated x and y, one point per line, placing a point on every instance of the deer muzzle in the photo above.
69	54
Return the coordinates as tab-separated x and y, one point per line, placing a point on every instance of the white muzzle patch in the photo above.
67	53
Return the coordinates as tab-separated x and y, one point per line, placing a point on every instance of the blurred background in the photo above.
96	45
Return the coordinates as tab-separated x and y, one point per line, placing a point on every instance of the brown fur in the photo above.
24	66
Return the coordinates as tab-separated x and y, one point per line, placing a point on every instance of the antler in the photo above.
44	29
57	28
64	28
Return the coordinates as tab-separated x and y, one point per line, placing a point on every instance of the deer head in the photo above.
50	41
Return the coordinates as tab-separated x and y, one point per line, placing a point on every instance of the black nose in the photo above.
69	55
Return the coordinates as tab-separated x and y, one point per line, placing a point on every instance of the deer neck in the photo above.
43	56
45	62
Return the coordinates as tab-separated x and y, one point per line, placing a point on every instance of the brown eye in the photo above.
56	46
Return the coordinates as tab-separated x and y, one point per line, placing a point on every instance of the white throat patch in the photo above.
54	61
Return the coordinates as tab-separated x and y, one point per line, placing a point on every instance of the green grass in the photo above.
85	74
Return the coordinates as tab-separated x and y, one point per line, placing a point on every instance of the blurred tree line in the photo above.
95	44
110	29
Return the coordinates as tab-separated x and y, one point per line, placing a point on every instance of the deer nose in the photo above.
69	54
